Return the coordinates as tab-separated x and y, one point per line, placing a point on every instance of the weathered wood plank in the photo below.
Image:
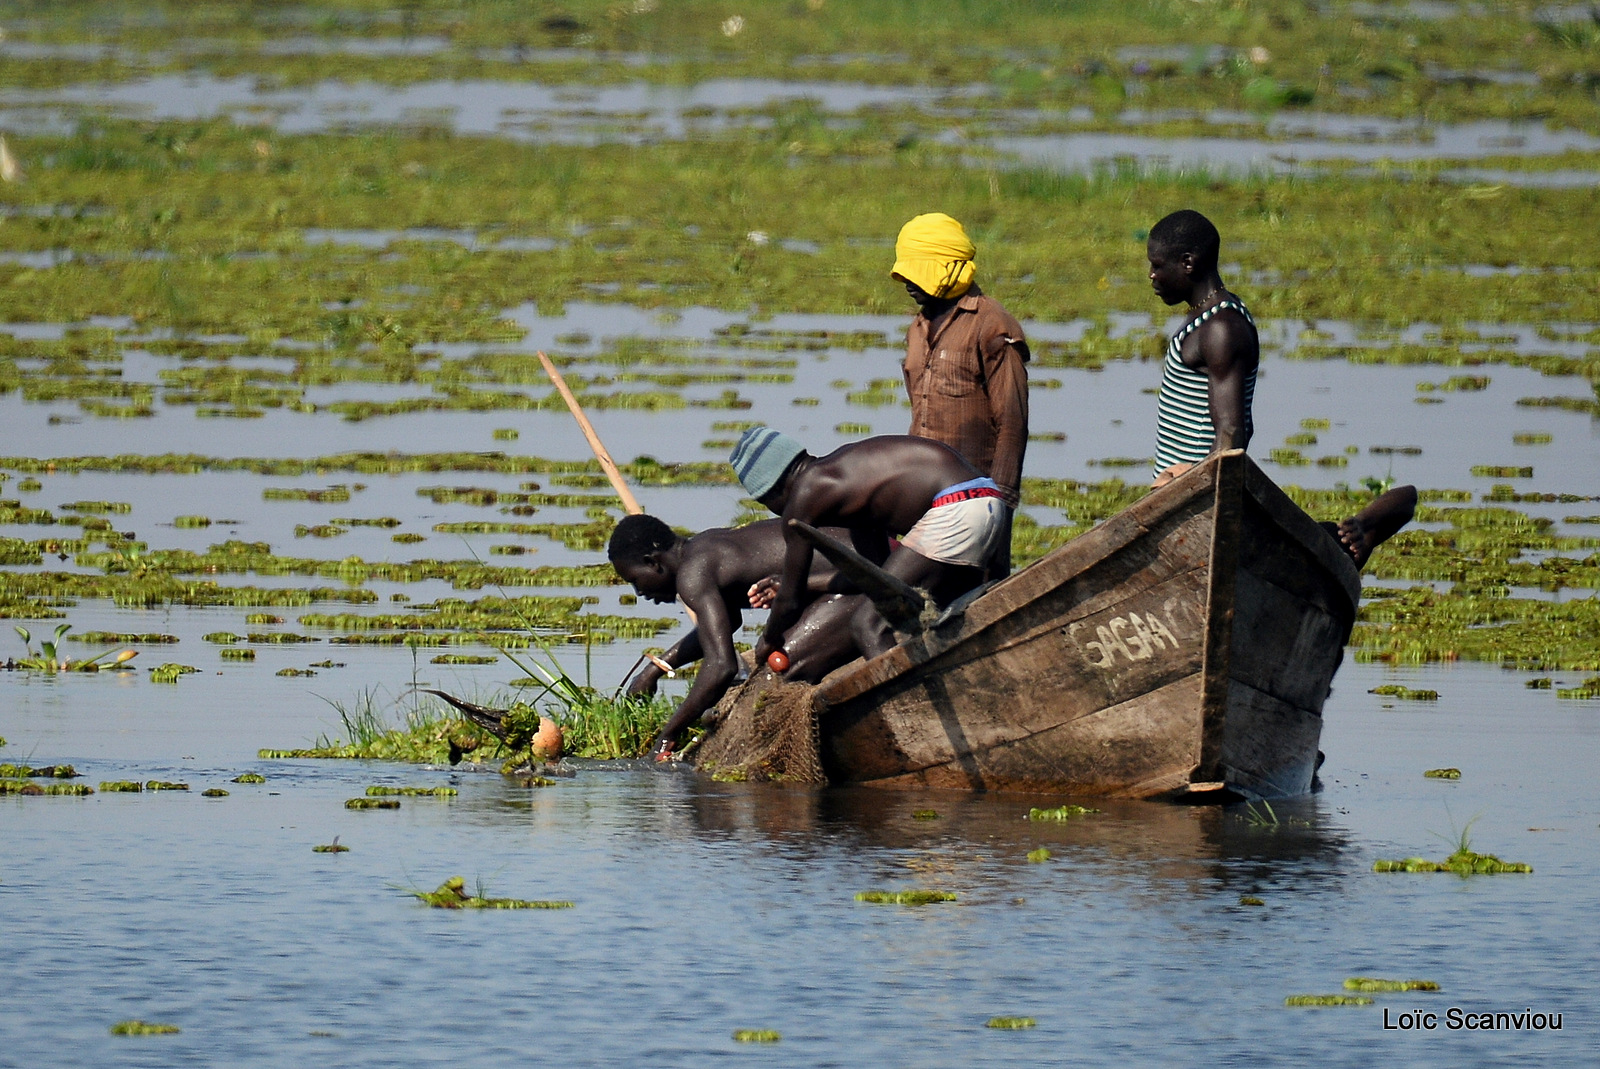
1269	746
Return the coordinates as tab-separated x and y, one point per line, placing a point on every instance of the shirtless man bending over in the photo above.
714	573
947	514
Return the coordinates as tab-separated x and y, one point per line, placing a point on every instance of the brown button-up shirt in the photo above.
969	388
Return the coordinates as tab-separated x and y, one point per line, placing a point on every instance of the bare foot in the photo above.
1358	539
663	751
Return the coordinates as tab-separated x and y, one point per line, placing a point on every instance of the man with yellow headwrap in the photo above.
965	358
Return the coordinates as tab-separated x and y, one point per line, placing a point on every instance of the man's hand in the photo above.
1165	477
643	684
763	592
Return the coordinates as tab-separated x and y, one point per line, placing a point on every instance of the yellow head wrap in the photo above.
934	252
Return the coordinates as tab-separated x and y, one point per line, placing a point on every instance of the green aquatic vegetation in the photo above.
1327	1000
906	898
292	673
262	618
756	1035
213	792
222	638
1462	863
125	638
30	486
121	786
48	659
506	434
1589	688
98	506
463	658
279	638
42	772
249	777
1039	855
192	521
1060	812
1288	458
332	494
1421	625
1532	438
1010	1023
408	538
411	792
1251	900
378	521
924	814
857	429
321	530
330	848
144	1028
1314	423
237	653
1301	438
170	672
164	785
1443	773
1405	694
1542	683
371	803
452	894
1371	983
28	787
1501	471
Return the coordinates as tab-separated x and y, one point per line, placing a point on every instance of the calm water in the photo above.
702	908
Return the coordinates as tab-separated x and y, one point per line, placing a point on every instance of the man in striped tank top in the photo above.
1209	377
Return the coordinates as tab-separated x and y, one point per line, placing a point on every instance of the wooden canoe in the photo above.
1181	649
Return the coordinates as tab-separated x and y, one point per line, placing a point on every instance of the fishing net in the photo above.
765	730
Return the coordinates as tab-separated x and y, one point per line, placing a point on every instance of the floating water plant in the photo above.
452	895
372	803
924	814
1251	900
238	653
213	792
906	898
1060	812
1010	1023
1589	688
1041	854
412	792
249	777
123	786
756	1035
1443	773
49	660
170	672
144	1028
1405	694
1369	983
330	848
164	785
1327	1000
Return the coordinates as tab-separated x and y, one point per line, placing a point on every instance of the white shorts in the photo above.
962	532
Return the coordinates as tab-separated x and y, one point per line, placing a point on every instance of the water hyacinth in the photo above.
144	1028
412	792
906	898
1370	983
756	1035
1442	773
1327	1000
452	895
1060	812
164	785
372	803
249	777
1010	1023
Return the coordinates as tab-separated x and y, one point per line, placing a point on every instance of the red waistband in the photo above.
965	495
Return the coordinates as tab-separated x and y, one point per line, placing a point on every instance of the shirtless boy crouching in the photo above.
715	572
948	514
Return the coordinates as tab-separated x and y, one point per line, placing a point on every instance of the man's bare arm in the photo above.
719	663
786	608
1229	350
685	651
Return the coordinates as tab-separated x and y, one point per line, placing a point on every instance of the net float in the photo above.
778	661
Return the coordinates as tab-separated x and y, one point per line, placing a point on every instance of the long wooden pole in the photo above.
609	466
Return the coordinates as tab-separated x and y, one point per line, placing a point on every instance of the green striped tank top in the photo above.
1184	434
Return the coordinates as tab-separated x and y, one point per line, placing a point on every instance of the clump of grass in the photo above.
121	786
905	898
452	894
143	1028
238	653
1327	1000
330	848
372	803
1369	983
170	672
1039	855
1060	812
164	785
1251	900
756	1035
213	792
249	777
1463	861
1443	773
1010	1023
